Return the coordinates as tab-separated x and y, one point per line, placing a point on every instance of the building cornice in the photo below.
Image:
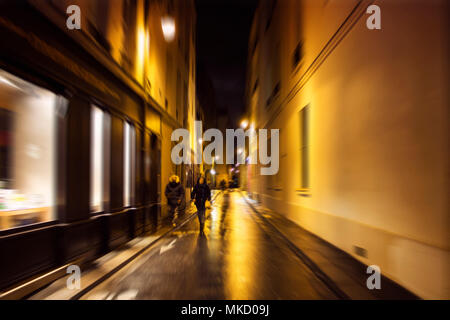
354	16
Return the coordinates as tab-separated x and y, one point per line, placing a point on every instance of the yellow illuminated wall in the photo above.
378	136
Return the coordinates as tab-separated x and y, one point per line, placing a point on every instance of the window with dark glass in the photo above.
304	146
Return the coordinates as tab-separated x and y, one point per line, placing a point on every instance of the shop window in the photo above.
129	163
100	123
27	152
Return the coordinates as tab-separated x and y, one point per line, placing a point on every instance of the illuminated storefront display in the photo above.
129	151
100	123
27	152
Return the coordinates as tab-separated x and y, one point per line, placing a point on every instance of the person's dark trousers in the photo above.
201	218
172	212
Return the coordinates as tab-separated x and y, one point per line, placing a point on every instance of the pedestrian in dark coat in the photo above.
175	195
200	195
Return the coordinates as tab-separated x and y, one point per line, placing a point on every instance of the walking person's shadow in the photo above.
204	275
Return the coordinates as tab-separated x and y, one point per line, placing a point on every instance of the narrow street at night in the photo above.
237	258
246	252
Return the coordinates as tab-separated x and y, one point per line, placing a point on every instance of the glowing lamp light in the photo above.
213	172
244	124
240	150
168	27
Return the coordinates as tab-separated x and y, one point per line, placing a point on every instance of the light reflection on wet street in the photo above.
237	258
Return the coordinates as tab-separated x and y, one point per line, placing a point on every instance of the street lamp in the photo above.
168	27
244	124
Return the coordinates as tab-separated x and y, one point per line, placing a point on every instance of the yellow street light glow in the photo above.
141	50
244	124
168	27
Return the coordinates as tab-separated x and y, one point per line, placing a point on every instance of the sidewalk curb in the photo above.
133	257
323	277
129	260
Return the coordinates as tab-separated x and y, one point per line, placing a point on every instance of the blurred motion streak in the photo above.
241	280
86	118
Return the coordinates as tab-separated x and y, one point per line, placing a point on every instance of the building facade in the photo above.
86	123
363	118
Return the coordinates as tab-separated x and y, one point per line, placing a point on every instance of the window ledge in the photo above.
304	192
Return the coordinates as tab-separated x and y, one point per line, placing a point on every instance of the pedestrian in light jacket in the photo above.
175	195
